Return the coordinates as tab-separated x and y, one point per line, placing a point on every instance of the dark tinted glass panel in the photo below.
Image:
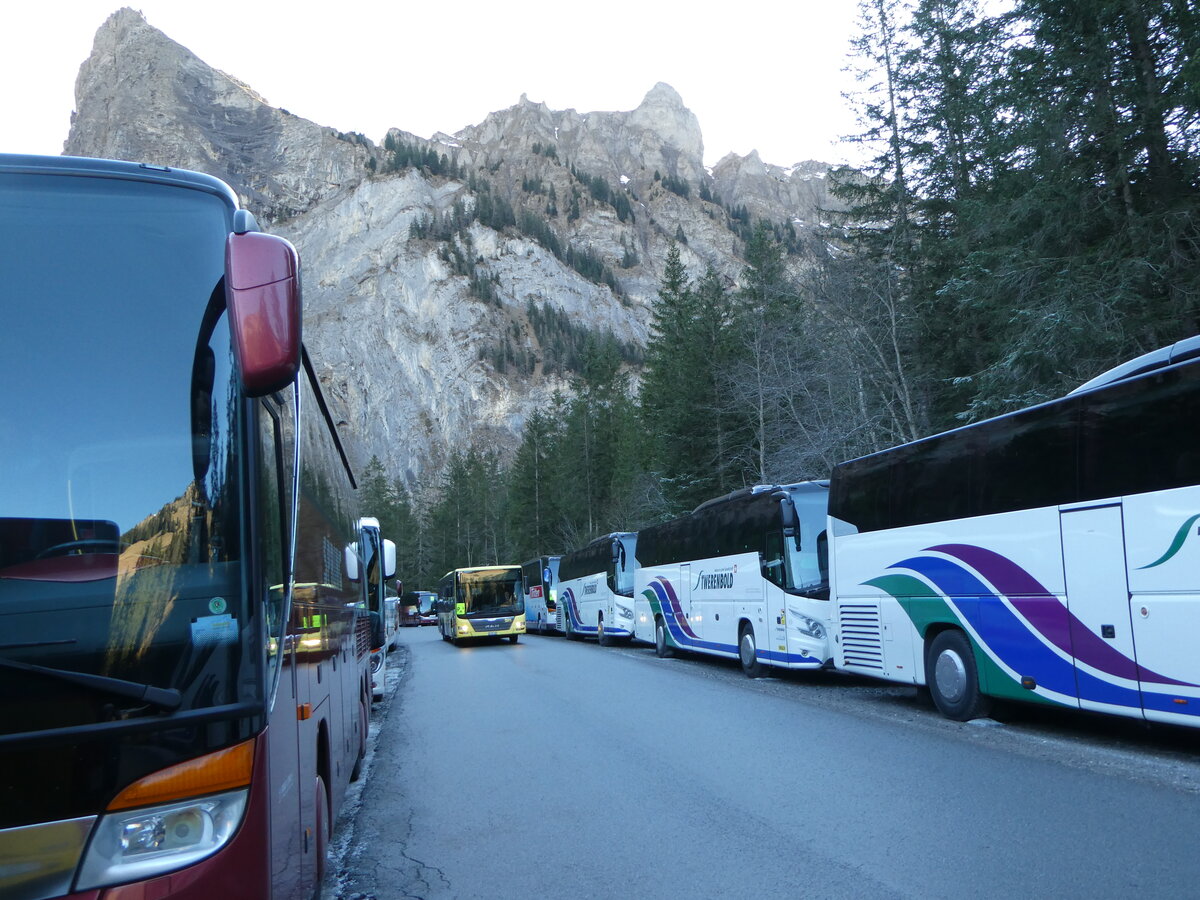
1026	460
860	492
936	480
1019	461
1140	435
592	559
326	513
120	432
1132	437
734	526
276	428
773	567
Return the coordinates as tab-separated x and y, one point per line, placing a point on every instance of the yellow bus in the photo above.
481	601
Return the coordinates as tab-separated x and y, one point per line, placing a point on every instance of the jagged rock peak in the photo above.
750	163
753	164
660	135
766	189
662	94
128	26
662	110
142	97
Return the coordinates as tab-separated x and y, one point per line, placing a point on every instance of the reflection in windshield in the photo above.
119	537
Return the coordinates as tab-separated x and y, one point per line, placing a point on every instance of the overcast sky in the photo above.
758	75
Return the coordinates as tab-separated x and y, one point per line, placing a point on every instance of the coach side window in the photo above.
772	558
1138	436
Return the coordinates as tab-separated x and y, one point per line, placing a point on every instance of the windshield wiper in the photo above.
164	698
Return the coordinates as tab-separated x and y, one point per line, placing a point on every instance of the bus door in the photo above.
1093	541
1163	556
287	848
312	636
773	602
692	616
549	595
278	506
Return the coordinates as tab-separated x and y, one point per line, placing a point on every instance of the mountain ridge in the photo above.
421	286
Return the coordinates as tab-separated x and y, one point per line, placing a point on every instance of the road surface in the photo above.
552	768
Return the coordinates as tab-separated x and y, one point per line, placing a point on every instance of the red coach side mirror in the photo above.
262	292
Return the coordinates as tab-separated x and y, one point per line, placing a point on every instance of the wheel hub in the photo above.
747	647
951	674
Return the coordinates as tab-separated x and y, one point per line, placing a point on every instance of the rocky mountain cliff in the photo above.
447	279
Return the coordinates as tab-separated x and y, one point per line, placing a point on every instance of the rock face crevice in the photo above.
402	337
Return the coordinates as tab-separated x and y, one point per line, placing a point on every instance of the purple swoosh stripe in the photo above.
572	606
1027	594
676	609
1053	620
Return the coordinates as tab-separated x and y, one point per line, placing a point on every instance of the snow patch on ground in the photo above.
337	874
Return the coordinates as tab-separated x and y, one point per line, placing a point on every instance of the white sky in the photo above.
763	75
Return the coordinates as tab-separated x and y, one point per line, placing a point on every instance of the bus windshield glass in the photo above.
810	561
490	592
119	541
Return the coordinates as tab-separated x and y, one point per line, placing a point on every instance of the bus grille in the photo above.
362	635
862	644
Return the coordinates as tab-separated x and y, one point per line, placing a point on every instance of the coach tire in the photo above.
513	638
601	638
321	836
748	652
356	772
953	678
662	649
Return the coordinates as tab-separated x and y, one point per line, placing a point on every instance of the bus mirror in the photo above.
791	528
262	293
389	559
399	587
788	513
351	554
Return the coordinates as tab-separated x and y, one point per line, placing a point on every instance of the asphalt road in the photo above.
558	769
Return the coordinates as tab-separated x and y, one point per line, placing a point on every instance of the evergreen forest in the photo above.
1029	217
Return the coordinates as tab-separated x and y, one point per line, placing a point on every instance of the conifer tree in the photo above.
686	419
536	492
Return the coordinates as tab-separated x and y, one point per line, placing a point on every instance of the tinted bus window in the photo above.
1131	434
1026	460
